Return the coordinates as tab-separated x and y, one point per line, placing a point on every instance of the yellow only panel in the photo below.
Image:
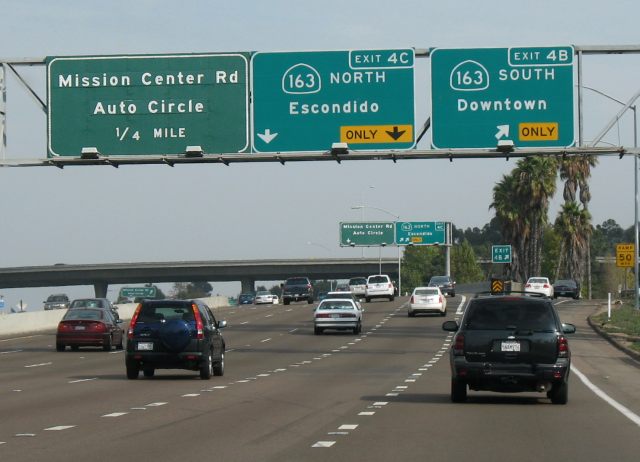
361	134
538	131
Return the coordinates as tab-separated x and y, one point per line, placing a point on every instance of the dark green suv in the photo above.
510	343
174	334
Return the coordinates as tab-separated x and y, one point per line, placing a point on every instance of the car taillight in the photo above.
199	324
527	285
439	298
546	286
563	347
63	326
458	345
134	319
322	315
348	315
411	301
98	327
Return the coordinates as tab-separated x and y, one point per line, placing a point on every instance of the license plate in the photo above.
335	316
145	346
510	346
80	328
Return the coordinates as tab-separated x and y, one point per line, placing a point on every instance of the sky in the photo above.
147	213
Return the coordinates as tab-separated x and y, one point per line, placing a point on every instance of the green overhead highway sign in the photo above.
306	101
133	292
420	232
501	254
148	104
522	97
364	234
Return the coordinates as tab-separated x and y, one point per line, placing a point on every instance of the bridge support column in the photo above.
248	285
100	289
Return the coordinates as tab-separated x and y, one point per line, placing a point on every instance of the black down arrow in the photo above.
395	134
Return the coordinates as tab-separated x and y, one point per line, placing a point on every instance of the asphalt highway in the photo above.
289	395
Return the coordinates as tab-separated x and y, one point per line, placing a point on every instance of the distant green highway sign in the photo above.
133	292
148	104
420	232
364	234
306	101
501	254
520	95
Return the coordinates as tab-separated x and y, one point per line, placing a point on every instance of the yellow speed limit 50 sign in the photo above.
624	255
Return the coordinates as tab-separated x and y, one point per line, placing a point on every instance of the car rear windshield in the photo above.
510	314
151	313
377	279
89	303
538	281
357	281
568	283
439	280
297	282
93	315
427	292
336	305
57	298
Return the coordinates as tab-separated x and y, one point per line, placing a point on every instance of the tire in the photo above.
75	347
559	394
206	368
458	391
120	345
357	329
60	347
218	367
391	298
368	299
132	370
148	372
286	302
453	294
443	313
107	344
310	301
317	330
411	314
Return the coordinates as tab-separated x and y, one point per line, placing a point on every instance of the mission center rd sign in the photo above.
148	104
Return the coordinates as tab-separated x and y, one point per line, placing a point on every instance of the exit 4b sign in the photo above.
520	95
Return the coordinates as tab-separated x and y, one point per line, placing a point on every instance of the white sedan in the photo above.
539	285
339	314
427	300
265	297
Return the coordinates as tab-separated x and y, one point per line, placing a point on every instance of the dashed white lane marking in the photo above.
380	403
392	394
19	435
293	330
156	404
268	316
323	444
264	375
2	442
265	340
401	387
220	387
59	428
460	306
635	418
8	352
243	323
366	413
348	427
83	380
39	365
191	395
115	414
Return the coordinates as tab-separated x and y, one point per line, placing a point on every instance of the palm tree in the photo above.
576	171
574	227
536	186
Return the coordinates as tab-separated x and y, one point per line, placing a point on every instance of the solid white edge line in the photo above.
609	400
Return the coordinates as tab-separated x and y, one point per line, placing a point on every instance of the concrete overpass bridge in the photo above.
245	271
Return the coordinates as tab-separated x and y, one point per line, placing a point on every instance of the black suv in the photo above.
174	334
296	289
446	284
510	343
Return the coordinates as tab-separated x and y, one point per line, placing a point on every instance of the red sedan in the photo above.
89	327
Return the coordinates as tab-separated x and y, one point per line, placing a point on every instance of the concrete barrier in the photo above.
31	322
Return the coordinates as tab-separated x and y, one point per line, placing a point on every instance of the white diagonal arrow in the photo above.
267	136
503	130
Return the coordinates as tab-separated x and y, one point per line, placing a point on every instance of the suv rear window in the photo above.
297	282
510	314
357	281
150	313
377	279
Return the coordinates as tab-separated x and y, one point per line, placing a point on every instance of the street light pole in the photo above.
397	217
631	106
